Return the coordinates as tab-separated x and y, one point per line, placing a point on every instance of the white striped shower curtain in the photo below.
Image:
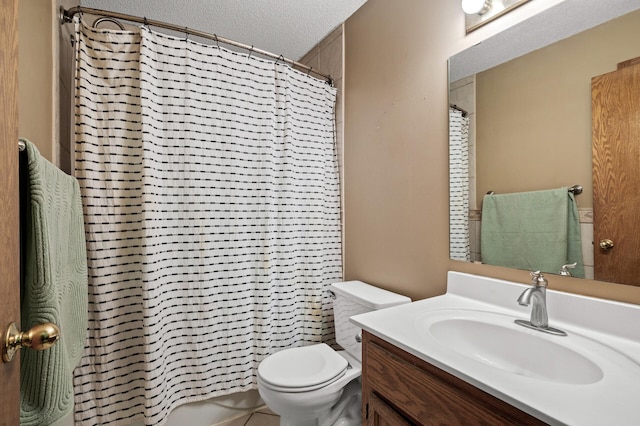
211	198
458	186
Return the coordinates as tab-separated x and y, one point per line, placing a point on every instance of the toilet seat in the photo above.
302	369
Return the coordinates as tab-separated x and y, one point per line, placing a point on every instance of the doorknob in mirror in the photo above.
606	244
39	337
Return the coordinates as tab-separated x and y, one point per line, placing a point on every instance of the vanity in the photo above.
418	392
460	358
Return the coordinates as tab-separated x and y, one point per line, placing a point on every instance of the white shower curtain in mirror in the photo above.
211	198
458	186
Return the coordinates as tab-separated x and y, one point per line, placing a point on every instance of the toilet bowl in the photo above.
312	404
316	385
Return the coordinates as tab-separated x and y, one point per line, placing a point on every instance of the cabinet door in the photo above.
408	390
382	414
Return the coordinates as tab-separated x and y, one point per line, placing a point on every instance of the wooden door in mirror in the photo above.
615	103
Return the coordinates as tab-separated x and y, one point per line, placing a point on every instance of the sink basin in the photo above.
495	340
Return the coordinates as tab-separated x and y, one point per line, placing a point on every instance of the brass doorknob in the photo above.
606	244
39	337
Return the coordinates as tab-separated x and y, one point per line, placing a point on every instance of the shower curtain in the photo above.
211	199
458	186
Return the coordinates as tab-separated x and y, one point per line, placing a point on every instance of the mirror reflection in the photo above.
526	126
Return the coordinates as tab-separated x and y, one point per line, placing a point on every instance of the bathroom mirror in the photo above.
527	92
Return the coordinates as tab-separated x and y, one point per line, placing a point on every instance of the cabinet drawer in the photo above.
380	413
427	395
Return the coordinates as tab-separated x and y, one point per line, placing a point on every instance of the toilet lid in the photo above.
304	367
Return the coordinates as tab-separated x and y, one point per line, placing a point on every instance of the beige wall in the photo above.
45	78
538	106
35	75
396	177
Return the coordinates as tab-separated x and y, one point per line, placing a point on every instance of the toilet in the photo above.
316	385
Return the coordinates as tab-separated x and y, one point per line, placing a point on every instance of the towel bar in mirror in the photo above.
39	337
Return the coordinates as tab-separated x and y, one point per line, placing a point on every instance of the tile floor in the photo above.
260	417
264	417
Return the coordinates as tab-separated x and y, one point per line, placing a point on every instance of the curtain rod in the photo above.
66	16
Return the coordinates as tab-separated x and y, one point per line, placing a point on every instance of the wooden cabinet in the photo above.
401	389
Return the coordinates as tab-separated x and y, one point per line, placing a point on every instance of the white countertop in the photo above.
605	332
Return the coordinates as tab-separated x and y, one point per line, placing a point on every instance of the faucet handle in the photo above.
538	279
564	271
534	277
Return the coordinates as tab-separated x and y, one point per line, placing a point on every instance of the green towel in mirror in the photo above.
537	230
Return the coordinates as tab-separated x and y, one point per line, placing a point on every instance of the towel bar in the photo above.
575	189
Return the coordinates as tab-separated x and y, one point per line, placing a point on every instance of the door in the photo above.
9	203
615	103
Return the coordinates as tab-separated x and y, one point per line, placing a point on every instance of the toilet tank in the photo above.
353	298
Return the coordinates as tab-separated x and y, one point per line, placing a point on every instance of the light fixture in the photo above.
476	7
480	12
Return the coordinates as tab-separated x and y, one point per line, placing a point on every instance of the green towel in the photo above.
538	230
54	286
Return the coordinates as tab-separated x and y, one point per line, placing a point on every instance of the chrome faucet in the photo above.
536	295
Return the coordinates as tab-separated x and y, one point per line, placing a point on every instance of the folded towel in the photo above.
538	230
54	286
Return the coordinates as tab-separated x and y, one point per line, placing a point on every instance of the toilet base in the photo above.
346	411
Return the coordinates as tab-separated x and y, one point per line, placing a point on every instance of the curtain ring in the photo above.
309	71
144	22
186	33
215	37
278	60
250	51
107	19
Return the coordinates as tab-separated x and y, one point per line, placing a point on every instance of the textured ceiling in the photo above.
284	27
